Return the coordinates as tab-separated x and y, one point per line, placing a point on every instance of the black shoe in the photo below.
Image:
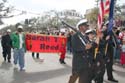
5	59
9	61
62	61
32	56
37	57
113	80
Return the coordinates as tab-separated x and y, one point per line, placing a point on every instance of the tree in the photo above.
91	15
52	19
120	12
4	11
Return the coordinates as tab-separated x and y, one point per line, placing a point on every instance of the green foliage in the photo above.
92	15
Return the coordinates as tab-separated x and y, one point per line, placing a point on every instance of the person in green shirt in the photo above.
18	44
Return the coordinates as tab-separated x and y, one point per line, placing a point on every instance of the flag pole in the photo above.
110	25
100	22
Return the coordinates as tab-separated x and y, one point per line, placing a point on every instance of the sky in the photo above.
39	6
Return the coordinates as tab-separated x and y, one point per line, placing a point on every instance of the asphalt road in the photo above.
47	71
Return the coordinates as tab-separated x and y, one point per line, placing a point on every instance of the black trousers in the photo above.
99	69
109	62
37	55
109	69
7	53
99	75
97	72
83	77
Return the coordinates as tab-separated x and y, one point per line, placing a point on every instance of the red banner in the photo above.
45	43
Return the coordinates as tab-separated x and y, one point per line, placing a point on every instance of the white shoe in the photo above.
22	69
15	66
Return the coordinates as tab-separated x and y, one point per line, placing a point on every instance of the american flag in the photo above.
104	8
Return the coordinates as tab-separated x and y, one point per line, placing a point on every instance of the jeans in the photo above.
69	48
117	53
19	57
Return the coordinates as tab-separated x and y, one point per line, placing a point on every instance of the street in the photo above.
47	71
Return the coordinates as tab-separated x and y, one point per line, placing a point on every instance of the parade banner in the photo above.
45	43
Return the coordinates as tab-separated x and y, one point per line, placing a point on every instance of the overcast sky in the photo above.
39	6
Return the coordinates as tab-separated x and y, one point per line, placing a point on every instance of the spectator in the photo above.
6	45
18	42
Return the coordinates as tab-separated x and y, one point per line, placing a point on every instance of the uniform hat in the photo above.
8	30
63	30
82	22
21	27
90	31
